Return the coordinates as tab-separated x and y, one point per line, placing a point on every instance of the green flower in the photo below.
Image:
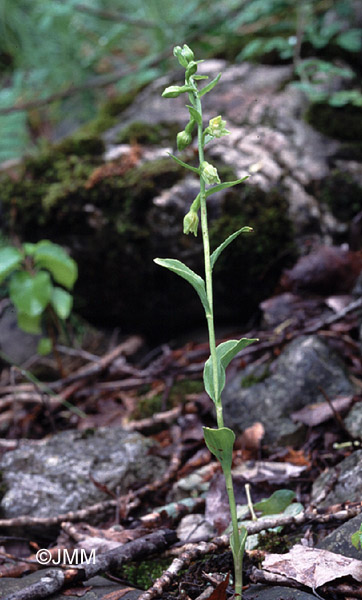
216	127
209	173
191	222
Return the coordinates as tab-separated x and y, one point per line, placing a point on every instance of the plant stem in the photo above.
208	276
212	343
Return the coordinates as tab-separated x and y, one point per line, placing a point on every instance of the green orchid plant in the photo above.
219	441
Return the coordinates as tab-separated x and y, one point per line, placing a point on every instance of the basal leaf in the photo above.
220	442
62	302
176	266
215	255
209	86
30	293
238	545
10	259
54	258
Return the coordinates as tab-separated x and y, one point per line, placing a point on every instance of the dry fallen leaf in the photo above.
317	413
251	437
219	592
313	567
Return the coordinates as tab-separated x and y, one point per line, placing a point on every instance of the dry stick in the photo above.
55	579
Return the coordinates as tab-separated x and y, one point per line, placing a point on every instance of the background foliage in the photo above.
60	59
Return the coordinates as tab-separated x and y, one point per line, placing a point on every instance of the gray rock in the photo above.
266	592
339	541
16	345
52	476
100	587
344	482
303	366
353	420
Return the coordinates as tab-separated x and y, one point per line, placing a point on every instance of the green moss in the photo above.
148	406
108	115
344	123
142	575
148	133
253	378
250	267
341	193
272	541
182	388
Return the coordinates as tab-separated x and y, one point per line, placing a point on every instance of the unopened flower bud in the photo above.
191	222
216	127
184	55
173	91
209	173
183	139
191	69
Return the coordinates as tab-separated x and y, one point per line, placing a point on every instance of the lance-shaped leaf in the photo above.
10	259
183	164
220	442
209	86
194	114
225	352
226	184
215	255
176	266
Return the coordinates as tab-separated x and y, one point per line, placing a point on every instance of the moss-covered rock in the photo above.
342	194
343	123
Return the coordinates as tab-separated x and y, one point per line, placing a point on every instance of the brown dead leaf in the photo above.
250	438
219	592
315	414
313	567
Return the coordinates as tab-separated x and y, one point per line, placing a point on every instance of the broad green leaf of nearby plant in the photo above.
44	346
356	539
10	259
53	258
30	293
220	442
176	266
62	302
28	323
276	503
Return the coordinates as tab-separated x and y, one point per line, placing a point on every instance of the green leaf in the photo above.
29	248
215	255
30	293
199	77
276	503
350	40
223	186
220	442
225	352
356	538
54	258
44	346
194	114
238	546
183	164
62	302
10	259
209	86
29	324
176	266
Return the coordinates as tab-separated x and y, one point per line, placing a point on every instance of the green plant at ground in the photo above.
28	273
356	538
220	441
